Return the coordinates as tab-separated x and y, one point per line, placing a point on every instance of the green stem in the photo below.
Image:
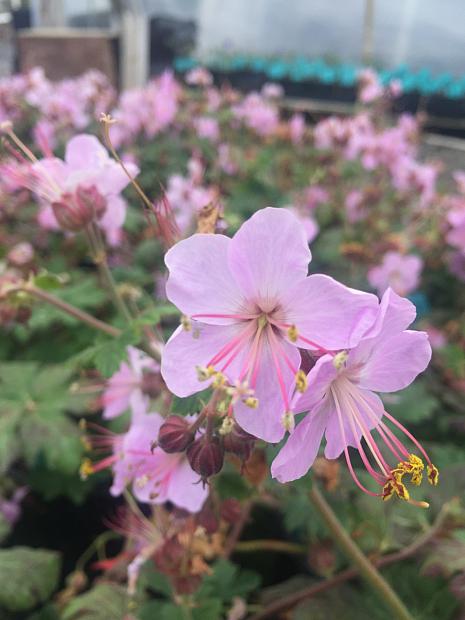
82	316
357	558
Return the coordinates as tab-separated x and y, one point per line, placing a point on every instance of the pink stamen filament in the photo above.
239	317
251	358
385	431
356	419
346	450
409	435
279	374
231	345
286	326
256	367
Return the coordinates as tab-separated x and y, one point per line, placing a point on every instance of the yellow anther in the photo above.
340	359
82	424
86	443
226	426
288	421
292	333
142	481
86	469
219	381
416	461
417	478
262	321
433	474
394	486
223	406
251	402
186	323
388	491
301	382
205	372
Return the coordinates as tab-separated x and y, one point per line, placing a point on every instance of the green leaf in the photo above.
57	441
232	484
227	582
208	610
103	602
28	577
49	281
414	404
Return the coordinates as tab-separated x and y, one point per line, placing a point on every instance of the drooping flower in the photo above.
250	307
130	386
401	272
87	175
342	404
155	475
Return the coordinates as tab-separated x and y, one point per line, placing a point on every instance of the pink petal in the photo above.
329	313
268	254
185	488
200	281
265	421
395	362
319	381
336	441
186	350
85	151
298	454
395	314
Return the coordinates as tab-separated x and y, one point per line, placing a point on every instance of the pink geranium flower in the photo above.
252	308
401	272
342	404
297	128
156	477
126	388
87	167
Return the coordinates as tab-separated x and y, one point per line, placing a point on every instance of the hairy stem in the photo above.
360	562
293	599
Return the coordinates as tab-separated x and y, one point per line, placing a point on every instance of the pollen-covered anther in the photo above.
219	381
288	421
292	333
186	323
395	486
141	481
87	445
340	359
227	426
205	372
86	469
301	382
251	401
433	474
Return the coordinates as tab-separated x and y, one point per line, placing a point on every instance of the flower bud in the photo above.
207	519
239	442
151	384
68	214
174	434
206	456
90	202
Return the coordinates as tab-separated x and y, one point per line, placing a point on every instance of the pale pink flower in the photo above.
342	404
355	211
315	195
258	114
272	90
297	128
252	308
125	389
156	477
199	76
87	166
371	88
207	128
401	272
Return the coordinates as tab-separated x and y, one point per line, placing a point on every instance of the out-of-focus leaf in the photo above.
227	581
414	404
231	484
104	602
208	610
49	281
28	577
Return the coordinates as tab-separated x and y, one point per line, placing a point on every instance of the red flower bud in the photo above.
68	214
90	201
239	442
206	456
174	434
